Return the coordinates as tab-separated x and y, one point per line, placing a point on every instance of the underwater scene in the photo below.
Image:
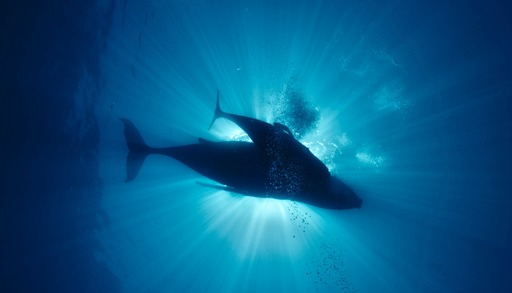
256	146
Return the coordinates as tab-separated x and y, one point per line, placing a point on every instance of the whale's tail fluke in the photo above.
218	112
138	150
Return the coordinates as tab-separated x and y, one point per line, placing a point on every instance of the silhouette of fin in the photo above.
218	112
138	150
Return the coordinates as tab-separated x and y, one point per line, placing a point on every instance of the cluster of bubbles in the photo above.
391	98
326	151
285	175
293	109
302	218
370	160
328	269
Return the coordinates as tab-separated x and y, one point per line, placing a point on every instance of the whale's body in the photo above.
275	164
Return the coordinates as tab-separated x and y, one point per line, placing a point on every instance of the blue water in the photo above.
409	102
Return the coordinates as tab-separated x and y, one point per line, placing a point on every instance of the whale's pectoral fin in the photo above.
222	187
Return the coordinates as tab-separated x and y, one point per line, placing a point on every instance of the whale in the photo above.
274	164
290	157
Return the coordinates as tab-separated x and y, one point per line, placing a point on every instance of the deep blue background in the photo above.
50	190
422	91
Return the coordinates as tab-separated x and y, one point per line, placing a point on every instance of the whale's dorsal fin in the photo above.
218	112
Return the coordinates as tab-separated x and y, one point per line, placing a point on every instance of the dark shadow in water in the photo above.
50	187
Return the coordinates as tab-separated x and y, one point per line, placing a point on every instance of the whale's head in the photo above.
341	196
332	193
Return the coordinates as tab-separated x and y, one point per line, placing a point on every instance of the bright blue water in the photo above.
415	113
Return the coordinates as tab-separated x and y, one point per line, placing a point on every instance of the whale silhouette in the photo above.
274	164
